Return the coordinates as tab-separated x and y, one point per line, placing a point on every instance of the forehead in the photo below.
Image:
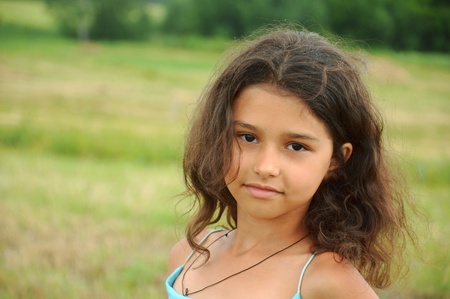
263	95
266	106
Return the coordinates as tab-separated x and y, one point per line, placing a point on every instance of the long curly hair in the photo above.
358	211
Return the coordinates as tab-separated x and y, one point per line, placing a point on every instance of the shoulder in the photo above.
328	276
178	254
181	250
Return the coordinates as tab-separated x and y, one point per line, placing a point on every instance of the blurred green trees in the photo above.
402	24
234	18
101	19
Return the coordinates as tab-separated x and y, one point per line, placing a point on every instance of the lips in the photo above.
262	191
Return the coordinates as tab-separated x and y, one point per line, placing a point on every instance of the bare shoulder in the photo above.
328	277
178	254
181	250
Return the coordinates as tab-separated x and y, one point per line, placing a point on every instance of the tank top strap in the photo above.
304	270
201	242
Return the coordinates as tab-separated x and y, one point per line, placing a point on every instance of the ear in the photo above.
346	150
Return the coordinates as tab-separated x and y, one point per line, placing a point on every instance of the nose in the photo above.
267	162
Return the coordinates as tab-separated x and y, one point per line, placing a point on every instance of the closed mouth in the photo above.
262	187
262	191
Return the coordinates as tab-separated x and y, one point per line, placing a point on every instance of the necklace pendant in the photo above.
186	291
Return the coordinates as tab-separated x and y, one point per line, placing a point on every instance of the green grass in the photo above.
74	228
115	100
91	137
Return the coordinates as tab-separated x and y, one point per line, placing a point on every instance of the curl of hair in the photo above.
358	211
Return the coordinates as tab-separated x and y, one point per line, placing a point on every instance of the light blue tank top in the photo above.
173	277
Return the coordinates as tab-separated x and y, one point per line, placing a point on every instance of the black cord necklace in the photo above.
186	290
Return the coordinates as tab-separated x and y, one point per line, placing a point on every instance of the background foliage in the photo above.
402	24
91	136
101	19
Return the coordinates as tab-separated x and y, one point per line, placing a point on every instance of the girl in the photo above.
287	147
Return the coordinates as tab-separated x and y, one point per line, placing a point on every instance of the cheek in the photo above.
309	176
322	170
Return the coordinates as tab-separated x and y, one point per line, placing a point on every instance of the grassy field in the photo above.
90	143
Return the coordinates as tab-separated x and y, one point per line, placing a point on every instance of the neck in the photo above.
252	234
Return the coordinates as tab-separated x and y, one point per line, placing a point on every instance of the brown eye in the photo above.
248	138
296	147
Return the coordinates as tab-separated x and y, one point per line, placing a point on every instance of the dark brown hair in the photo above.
358	211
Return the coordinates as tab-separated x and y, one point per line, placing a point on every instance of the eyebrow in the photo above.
244	125
288	134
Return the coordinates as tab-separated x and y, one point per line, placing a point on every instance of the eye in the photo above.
247	138
296	147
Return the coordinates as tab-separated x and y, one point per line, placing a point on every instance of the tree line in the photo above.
401	24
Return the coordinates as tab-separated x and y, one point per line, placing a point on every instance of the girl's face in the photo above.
281	154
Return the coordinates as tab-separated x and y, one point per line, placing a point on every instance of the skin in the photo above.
281	154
